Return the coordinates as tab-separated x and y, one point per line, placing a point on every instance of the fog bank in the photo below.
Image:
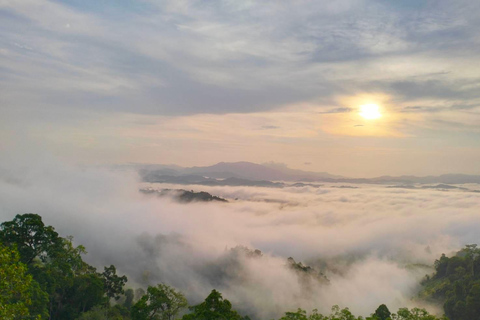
365	240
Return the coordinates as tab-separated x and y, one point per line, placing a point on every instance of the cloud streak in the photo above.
74	72
225	52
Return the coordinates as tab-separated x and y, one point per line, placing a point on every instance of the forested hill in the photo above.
183	196
456	284
43	276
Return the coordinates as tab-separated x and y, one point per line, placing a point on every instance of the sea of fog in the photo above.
373	243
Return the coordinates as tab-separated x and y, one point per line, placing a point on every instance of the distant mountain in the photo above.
441	186
155	177
232	174
442	179
254	171
252	174
243	170
300	175
159	177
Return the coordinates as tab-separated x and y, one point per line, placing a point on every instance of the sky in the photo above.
199	82
359	88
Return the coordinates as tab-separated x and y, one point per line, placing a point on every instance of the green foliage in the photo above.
32	237
71	284
336	314
116	312
382	312
456	284
306	273
87	291
160	303
113	283
414	314
342	314
214	308
129	296
63	285
15	286
298	315
39	306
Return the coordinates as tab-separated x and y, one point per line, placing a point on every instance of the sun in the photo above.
370	111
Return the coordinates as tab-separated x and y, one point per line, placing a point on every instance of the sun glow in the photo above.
370	111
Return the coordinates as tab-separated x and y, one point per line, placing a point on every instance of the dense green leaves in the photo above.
15	286
63	285
336	314
160	303
382	312
116	312
297	315
456	284
214	308
414	314
113	283
32	237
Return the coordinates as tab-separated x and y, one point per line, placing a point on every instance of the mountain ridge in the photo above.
248	173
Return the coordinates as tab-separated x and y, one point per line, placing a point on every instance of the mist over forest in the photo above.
239	160
358	246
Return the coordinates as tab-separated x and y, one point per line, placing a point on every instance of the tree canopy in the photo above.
161	302
214	308
43	276
62	285
456	284
15	283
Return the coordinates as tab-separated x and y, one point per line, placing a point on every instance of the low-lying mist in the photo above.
374	244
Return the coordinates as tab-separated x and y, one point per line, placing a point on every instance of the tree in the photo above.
68	280
63	284
86	292
15	291
382	312
342	314
473	301
456	284
414	314
113	283
116	312
32	237
336	314
39	306
298	315
213	308
161	302
129	295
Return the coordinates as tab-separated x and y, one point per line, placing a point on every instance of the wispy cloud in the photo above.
262	55
64	65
